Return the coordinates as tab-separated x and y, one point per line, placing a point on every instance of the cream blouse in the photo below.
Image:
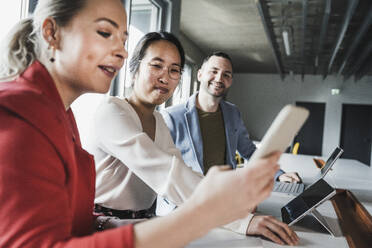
131	168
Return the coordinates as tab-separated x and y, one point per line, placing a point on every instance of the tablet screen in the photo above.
330	161
306	201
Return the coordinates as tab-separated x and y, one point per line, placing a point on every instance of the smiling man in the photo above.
209	130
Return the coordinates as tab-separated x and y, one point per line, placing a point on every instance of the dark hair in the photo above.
218	54
146	41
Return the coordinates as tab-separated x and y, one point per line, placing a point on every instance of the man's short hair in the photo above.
218	54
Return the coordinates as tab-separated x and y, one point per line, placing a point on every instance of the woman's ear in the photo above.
134	78
51	32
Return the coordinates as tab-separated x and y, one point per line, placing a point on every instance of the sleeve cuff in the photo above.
240	226
278	174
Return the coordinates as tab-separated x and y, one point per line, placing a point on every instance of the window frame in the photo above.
157	24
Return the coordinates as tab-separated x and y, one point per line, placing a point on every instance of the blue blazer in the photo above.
183	123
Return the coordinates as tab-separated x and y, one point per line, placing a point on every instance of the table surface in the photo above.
346	173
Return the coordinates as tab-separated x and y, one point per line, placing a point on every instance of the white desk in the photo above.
346	173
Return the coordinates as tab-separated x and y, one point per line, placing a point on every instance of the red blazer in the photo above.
47	181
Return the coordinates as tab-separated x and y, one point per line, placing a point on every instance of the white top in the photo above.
131	169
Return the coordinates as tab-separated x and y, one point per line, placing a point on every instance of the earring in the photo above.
53	49
53	54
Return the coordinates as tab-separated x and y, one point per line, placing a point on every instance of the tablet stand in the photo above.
322	221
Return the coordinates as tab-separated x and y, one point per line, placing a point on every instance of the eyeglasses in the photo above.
174	71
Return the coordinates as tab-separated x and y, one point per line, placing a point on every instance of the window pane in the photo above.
10	14
182	92
143	20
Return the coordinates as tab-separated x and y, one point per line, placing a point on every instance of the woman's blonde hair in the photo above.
24	43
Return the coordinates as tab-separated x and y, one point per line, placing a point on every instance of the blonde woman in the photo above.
47	180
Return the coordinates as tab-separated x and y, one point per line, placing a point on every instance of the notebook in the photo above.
297	188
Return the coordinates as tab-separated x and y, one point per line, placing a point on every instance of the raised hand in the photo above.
226	195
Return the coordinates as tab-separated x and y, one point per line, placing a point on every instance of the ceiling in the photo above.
324	36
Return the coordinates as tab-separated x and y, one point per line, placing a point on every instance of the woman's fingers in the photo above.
288	231
279	231
270	235
272	229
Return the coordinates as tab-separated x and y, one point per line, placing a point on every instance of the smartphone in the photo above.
281	132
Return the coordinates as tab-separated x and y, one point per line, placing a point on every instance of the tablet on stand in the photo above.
307	202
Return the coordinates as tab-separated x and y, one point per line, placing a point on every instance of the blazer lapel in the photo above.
44	108
229	127
193	128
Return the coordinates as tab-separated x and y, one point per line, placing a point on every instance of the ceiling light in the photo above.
335	91
286	42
